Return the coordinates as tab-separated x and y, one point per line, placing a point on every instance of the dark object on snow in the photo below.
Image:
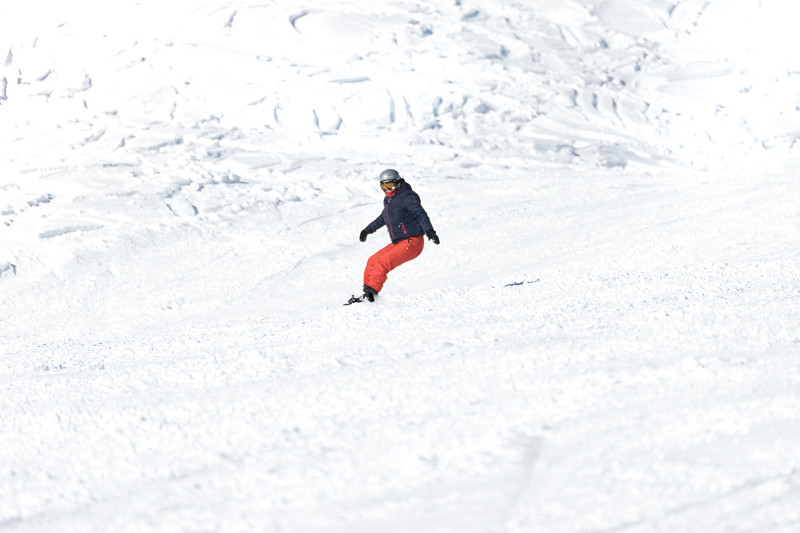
353	300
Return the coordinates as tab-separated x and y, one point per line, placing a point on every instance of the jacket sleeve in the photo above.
414	206
376	224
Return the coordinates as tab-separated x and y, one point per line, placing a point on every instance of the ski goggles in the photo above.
388	185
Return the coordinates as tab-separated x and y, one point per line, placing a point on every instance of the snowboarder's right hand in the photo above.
364	233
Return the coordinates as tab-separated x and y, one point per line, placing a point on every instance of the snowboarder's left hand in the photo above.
431	234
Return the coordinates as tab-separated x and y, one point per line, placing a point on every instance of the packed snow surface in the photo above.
606	339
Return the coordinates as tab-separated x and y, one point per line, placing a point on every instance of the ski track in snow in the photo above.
607	338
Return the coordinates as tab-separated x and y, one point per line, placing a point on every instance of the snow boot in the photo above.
370	293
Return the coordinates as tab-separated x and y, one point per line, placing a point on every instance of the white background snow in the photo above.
607	338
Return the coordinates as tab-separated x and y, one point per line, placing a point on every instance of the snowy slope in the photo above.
606	339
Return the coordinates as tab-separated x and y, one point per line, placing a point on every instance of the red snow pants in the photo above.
389	258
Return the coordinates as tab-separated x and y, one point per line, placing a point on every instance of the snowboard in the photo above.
354	300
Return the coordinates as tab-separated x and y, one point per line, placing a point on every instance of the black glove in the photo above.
364	233
431	235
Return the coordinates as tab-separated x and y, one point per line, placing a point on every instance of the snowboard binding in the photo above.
353	300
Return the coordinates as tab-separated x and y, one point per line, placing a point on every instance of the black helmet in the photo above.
389	174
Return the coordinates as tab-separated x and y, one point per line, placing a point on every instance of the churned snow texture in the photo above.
606	339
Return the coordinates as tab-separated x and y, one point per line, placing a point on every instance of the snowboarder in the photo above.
406	221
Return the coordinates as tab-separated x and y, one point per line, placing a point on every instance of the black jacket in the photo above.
402	215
